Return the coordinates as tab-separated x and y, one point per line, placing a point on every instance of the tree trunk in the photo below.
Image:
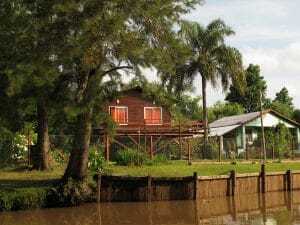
42	155
205	126
78	164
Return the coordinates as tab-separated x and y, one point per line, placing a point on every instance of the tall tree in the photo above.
283	96
211	58
101	38
33	69
255	84
282	103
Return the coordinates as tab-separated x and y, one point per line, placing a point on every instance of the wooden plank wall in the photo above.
117	188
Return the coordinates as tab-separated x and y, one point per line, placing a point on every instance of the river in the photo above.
278	208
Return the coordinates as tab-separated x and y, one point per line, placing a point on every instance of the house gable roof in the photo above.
231	122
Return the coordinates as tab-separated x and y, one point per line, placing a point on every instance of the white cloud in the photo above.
267	34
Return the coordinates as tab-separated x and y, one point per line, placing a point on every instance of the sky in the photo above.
267	33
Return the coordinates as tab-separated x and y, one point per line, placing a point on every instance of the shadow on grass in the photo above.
11	185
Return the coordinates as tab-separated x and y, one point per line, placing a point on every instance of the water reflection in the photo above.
273	208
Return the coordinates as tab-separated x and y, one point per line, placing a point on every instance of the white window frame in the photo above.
120	107
161	115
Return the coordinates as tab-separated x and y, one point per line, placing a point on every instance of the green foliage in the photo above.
131	157
282	103
22	199
13	146
283	108
210	151
96	159
283	97
220	110
159	159
250	98
5	146
296	115
280	138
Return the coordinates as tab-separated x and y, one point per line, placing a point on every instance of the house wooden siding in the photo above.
136	103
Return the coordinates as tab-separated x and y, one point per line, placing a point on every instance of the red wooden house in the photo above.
141	117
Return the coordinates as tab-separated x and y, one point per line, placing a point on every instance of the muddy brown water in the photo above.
273	208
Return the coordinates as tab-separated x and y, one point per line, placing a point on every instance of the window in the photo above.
119	114
153	115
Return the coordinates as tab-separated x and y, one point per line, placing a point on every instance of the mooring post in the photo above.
149	180
233	182
195	185
98	188
263	178
289	180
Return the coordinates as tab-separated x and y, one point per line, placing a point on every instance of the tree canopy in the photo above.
250	97
211	58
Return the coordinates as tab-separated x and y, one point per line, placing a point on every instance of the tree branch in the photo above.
117	68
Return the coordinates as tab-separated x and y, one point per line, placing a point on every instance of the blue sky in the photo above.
267	34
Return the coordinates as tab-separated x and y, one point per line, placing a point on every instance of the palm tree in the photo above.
212	59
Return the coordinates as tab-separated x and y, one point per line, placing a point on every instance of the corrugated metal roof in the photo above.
234	120
227	124
219	131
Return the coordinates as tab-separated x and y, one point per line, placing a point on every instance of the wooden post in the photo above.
149	180
151	147
289	180
263	178
195	185
28	148
145	137
233	182
293	148
264	207
98	188
189	149
247	151
262	130
107	147
180	141
220	147
273	150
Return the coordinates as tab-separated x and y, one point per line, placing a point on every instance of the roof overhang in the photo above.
219	131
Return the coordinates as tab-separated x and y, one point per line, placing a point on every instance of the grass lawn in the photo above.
23	189
181	168
14	177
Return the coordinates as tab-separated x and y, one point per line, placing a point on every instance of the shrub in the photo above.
130	157
23	199
159	159
96	159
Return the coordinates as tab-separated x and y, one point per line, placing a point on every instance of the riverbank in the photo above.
23	189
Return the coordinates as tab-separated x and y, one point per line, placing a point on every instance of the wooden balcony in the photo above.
172	129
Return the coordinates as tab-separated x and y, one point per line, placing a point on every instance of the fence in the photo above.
192	148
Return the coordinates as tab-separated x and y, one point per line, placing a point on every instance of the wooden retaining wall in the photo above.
122	188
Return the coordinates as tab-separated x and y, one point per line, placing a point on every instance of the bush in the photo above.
159	159
130	157
96	159
27	198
